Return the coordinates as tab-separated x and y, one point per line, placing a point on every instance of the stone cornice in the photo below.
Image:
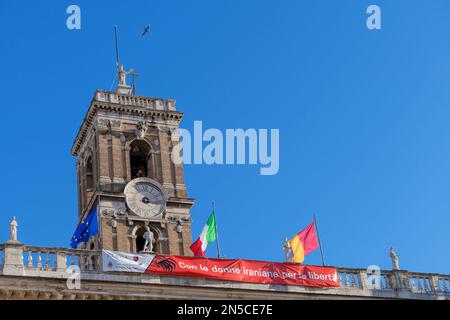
155	108
47	285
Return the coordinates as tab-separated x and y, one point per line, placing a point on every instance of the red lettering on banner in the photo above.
245	271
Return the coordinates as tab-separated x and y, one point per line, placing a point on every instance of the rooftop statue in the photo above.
13	230
394	257
288	251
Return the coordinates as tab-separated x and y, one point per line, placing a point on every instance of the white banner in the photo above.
127	262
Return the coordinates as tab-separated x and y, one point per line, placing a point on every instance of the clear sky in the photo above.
363	117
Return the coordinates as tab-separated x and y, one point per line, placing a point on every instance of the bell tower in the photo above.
124	168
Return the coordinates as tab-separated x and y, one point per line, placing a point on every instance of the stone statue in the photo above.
394	257
141	130
13	230
140	173
149	239
113	221
289	255
122	76
179	225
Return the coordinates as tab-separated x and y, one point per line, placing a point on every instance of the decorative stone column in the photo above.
363	280
399	279
13	258
61	262
434	282
13	252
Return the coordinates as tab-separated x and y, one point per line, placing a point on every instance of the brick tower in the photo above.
124	169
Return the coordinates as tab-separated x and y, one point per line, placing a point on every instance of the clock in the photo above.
145	197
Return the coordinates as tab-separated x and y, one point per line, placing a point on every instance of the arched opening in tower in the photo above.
139	156
140	239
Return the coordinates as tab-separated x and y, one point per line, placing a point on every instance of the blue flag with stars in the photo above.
86	229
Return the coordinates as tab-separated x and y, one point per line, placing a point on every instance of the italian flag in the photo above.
208	235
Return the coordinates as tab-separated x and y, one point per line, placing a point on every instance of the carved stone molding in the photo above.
178	219
141	129
112	213
164	129
101	122
168	117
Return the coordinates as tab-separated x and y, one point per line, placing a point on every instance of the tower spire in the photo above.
117	46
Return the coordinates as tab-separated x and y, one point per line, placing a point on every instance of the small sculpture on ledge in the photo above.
141	130
394	258
288	251
13	230
149	239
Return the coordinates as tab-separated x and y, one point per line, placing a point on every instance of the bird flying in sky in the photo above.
148	30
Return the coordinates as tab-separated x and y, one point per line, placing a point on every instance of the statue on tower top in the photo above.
122	76
122	86
13	230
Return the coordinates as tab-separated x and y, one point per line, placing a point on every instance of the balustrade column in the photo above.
346	280
47	261
363	279
61	262
354	282
39	260
30	259
434	282
398	279
444	285
419	283
411	282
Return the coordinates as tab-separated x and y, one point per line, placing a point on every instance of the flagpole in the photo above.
217	234
318	237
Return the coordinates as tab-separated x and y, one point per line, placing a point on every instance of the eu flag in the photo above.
86	229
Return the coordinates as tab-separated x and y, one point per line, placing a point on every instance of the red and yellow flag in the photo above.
304	242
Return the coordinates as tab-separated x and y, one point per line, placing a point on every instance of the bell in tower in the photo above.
124	169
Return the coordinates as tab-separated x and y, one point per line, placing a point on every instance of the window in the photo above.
140	241
89	175
139	156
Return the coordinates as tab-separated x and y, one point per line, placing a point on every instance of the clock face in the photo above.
145	198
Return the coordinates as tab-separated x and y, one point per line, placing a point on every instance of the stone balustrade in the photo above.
31	262
395	279
60	259
137	101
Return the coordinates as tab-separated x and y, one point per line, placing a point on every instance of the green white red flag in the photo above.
208	235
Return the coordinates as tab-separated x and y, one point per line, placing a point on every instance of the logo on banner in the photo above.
167	264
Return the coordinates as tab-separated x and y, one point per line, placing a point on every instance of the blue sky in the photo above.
363	117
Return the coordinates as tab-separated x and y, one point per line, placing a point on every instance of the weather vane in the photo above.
121	72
